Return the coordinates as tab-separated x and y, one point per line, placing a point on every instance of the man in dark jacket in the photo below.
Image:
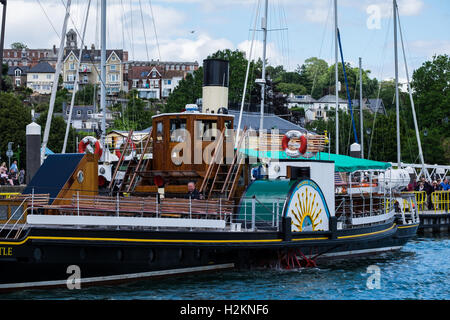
193	192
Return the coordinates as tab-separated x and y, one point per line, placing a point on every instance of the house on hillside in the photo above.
40	78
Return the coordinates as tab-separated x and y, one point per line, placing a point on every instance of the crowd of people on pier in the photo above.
429	187
12	176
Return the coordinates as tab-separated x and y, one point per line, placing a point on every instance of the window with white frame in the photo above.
113	77
113	67
49	77
35	76
18	72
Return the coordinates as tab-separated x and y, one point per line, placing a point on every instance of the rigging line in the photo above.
90	57
132	28
154	28
321	47
48	18
77	78
97	19
143	29
247	73
379	86
123	25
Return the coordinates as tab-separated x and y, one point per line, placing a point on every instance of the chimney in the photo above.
215	85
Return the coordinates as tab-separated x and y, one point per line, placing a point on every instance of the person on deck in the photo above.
193	193
4	174
445	185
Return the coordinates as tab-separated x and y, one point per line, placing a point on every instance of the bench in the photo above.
36	200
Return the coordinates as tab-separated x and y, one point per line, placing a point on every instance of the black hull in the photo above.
42	257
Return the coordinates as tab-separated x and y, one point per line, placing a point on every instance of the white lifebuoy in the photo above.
299	148
119	144
90	145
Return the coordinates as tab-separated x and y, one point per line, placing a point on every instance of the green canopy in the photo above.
342	163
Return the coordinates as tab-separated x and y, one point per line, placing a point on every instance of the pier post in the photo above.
33	148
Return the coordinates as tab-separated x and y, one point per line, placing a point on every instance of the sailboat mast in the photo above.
361	115
103	70
397	98
336	74
263	82
77	79
55	83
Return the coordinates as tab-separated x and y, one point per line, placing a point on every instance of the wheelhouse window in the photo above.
159	131
206	130
178	130
228	128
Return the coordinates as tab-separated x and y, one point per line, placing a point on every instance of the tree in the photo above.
188	91
57	133
14	117
85	96
288	88
136	115
18	46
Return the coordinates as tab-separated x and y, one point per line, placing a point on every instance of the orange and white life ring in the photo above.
299	148
91	145
119	144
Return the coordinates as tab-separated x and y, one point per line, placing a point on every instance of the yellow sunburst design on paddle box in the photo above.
306	212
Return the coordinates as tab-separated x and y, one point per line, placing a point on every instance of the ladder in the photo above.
136	177
214	166
128	145
234	172
227	175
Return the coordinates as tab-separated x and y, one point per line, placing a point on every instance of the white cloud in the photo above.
191	49
273	55
429	48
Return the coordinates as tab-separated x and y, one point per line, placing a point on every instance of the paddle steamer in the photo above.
269	200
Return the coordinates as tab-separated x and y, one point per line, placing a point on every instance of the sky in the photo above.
190	30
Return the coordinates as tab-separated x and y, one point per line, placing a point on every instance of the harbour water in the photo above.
421	270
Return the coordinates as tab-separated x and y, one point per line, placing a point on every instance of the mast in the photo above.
397	99
337	74
361	116
422	160
263	81
103	71
55	82
2	39
77	79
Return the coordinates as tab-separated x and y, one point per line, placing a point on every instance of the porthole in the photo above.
120	255
151	255
198	254
80	176
83	253
37	254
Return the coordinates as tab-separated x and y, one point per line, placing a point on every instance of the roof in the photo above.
271	121
46	181
341	163
12	69
83	110
142	72
331	99
374	105
43	67
301	99
89	55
